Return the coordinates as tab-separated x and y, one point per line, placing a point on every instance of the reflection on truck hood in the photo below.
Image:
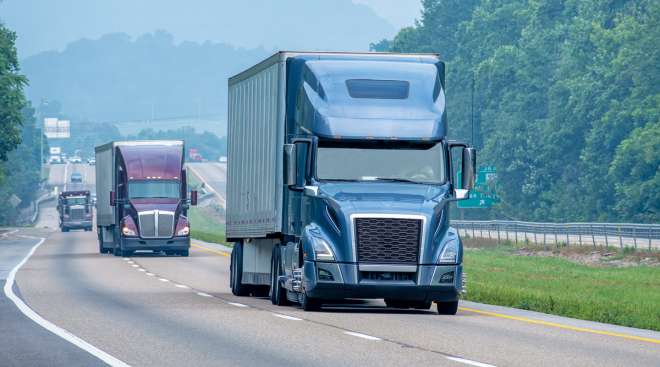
155	203
363	196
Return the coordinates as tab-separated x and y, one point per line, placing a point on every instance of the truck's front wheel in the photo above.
447	308
236	271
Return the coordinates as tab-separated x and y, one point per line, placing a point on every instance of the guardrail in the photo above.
582	234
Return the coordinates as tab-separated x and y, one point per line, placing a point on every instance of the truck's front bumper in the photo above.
155	244
78	224
430	283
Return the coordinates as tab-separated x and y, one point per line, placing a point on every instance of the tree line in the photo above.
566	101
19	138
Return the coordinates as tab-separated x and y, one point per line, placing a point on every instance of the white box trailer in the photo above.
255	143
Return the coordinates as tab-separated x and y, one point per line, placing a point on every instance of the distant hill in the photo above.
116	78
44	25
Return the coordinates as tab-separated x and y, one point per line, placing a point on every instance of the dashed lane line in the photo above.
363	336
286	317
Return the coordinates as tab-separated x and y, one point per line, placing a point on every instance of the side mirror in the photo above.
468	168
290	164
193	197
112	198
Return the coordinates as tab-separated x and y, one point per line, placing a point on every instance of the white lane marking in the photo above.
10	232
141	270
204	294
151	274
363	336
163	280
62	333
126	259
182	286
135	266
286	317
236	304
471	363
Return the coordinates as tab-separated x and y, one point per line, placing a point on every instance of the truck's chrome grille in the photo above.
77	213
388	240
156	224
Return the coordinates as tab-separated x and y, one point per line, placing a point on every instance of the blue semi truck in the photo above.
340	178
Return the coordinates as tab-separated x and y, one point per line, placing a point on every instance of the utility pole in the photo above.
472	109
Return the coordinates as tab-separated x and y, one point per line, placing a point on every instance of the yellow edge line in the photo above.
210	250
561	326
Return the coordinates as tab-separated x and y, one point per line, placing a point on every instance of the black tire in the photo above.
117	251
236	272
447	308
168	252
126	253
101	248
184	253
310	304
277	292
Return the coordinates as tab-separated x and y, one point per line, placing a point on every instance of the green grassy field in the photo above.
206	225
627	296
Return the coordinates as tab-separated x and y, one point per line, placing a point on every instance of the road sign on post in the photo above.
483	195
56	129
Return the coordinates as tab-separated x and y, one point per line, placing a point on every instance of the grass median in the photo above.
206	224
626	295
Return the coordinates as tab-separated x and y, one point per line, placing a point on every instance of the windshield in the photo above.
76	200
419	164
153	189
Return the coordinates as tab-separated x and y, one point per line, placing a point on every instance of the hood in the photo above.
142	205
384	197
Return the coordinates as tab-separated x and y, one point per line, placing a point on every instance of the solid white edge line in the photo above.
62	333
363	336
471	363
204	294
182	286
286	317
8	233
236	304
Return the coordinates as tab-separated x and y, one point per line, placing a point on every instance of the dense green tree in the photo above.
12	99
566	100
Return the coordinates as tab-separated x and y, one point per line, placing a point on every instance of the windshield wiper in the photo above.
396	180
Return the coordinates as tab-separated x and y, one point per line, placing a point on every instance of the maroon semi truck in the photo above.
142	197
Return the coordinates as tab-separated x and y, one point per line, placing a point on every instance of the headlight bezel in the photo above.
322	249
449	253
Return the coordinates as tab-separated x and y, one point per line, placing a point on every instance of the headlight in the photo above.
182	226
449	254
322	249
128	227
183	231
127	231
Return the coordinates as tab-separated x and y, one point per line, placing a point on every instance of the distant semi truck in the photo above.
75	210
142	197
341	181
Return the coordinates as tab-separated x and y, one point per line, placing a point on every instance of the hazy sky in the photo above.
401	13
347	25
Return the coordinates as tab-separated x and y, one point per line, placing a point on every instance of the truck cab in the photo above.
143	198
368	175
75	210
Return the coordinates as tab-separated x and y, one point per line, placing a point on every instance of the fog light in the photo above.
325	275
447	278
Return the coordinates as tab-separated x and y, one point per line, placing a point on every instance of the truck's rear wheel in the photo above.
447	308
102	249
184	253
277	292
236	271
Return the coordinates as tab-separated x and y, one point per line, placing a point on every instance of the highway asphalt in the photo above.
174	311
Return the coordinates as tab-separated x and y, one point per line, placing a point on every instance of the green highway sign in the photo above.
483	195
